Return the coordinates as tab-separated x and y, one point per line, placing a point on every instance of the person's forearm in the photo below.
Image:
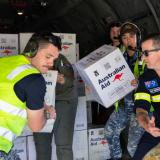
36	119
44	121
39	126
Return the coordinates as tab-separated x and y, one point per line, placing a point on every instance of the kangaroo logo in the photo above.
118	77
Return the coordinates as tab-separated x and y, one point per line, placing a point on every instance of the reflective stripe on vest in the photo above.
8	108
12	109
18	70
156	98
137	72
7	134
143	96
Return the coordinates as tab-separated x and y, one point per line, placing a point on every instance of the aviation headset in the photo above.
33	43
131	27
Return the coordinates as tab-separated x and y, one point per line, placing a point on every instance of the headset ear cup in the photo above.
36	40
138	38
31	48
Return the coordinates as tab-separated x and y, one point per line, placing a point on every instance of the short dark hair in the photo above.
48	37
129	27
155	37
40	40
114	24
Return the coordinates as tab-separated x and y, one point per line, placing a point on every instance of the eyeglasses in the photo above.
146	52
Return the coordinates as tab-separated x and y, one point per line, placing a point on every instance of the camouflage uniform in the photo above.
118	121
135	134
12	155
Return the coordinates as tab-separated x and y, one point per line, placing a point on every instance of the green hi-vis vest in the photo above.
137	72
13	116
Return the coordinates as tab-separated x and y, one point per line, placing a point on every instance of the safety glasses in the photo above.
146	52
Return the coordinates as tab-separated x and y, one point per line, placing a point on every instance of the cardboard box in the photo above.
31	148
69	49
19	150
98	145
81	115
108	75
8	44
80	145
51	79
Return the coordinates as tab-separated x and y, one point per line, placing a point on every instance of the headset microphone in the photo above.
131	48
135	50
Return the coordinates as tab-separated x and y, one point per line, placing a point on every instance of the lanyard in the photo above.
137	71
116	104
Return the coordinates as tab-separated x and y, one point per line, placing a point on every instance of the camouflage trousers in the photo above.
12	155
114	126
134	136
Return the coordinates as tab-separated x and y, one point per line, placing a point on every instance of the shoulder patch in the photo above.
151	84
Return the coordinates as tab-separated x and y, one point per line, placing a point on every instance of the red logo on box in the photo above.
117	77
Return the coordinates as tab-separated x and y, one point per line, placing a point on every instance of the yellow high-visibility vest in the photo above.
13	116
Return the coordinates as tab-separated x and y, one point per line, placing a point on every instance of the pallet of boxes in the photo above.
108	77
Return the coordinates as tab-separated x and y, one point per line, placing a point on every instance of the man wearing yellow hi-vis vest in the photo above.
22	89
